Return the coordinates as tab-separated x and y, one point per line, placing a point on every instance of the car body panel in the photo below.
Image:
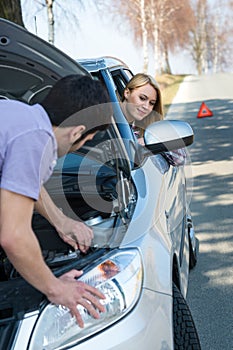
164	230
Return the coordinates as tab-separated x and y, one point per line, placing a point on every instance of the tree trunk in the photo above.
156	48
11	10
49	4
144	36
155	37
167	68
215	58
216	44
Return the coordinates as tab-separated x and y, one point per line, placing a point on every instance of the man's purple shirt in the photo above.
28	148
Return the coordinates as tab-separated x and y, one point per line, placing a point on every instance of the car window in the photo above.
121	78
96	75
128	73
120	84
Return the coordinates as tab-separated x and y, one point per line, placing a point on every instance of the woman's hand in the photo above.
141	141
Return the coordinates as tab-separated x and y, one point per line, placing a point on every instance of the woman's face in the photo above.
139	102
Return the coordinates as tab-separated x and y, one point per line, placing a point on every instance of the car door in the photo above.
175	211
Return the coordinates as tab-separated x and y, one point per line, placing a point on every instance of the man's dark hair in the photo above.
69	100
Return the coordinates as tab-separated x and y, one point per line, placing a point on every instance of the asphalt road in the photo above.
210	294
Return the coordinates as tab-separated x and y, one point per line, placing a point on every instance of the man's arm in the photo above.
73	232
22	248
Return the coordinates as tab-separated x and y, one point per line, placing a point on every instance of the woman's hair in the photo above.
141	79
69	100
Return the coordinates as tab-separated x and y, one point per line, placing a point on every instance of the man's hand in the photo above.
71	292
75	233
22	248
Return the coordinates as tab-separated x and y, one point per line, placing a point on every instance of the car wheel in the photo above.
185	333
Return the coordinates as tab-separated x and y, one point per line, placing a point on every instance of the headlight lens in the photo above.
119	277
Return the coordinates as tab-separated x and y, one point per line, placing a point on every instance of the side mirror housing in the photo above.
168	135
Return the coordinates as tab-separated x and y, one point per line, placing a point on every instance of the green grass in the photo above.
169	85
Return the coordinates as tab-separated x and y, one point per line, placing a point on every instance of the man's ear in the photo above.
76	132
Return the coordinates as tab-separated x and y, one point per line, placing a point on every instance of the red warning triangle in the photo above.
204	111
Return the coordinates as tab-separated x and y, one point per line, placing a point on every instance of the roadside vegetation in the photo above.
203	28
169	85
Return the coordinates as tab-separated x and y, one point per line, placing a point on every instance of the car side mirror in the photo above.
168	135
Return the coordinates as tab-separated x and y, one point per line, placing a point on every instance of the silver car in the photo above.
138	206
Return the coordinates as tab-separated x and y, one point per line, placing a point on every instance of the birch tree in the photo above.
211	38
154	24
199	37
56	11
50	16
144	35
177	24
221	30
135	17
169	23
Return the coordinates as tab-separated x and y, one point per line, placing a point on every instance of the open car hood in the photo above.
29	66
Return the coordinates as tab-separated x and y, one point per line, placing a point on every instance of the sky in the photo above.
97	35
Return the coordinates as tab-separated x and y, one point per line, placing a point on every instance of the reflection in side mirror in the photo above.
168	135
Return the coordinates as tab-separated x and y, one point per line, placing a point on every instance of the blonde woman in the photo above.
142	105
142	102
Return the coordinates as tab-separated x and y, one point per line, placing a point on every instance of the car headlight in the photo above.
119	276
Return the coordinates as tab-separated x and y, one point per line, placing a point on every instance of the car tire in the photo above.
185	333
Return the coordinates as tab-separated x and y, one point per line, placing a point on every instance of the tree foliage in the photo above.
168	26
210	44
199	36
169	23
59	13
163	26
